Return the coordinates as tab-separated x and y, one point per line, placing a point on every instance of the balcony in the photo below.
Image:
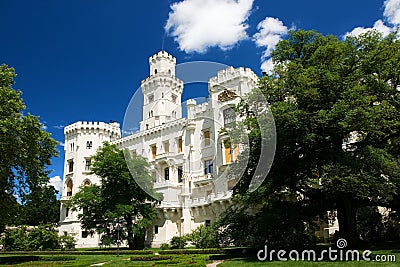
202	179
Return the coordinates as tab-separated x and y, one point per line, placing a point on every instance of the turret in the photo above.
162	92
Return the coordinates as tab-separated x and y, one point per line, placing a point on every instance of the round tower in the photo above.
82	139
162	92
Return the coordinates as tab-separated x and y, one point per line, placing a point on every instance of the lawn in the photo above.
113	260
239	262
194	260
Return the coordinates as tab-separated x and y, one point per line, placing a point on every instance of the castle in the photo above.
185	153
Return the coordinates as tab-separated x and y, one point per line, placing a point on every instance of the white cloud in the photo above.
59	127
378	26
61	144
392	11
199	24
57	182
270	32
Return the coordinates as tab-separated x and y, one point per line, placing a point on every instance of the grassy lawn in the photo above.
193	260
254	262
113	260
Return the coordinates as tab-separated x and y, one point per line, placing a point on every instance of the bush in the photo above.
178	242
17	259
150	258
164	246
67	241
43	237
203	237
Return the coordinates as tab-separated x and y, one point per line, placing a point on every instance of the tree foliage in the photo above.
25	148
336	106
117	200
40	207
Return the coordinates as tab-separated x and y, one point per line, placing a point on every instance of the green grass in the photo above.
249	262
191	260
113	260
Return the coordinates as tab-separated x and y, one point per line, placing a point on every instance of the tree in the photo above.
118	199
40	206
325	91
25	148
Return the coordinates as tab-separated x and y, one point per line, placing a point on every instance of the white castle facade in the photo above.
185	153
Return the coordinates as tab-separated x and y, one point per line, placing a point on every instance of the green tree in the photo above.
325	91
118	199
25	148
40	206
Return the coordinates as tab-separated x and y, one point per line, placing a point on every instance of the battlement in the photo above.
230	73
161	78
112	127
162	55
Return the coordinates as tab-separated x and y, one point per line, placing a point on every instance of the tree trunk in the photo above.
347	222
130	237
139	240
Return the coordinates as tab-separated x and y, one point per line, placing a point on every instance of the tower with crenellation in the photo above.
82	139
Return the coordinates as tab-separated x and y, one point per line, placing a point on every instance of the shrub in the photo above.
178	242
164	246
150	258
67	241
43	237
203	237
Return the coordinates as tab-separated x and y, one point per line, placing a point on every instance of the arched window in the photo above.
166	173
155	71
87	183
69	188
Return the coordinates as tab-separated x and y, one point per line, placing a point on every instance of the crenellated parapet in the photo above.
231	73
111	129
162	80
162	55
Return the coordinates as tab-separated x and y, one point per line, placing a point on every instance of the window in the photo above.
173	98
69	188
150	98
166	147
71	147
166	173
231	184
147	126
180	174
84	234
88	163
154	151
180	145
66	212
89	144
229	116
207	223
208	166
155	229
87	183
206	138
71	165
231	153
162	94
155	71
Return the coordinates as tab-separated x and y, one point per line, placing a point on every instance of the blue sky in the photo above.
83	60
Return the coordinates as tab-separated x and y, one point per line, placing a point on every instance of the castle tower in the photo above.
162	92
82	139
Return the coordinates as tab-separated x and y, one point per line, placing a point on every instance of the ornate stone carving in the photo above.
226	95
